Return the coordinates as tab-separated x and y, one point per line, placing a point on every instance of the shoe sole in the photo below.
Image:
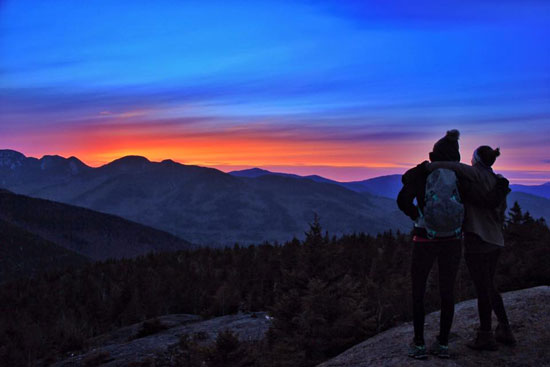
440	355
424	356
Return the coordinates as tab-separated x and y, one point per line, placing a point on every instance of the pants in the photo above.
482	267
448	255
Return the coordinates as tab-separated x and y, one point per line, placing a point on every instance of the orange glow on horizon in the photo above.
299	150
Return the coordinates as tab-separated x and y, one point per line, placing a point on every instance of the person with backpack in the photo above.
437	234
485	204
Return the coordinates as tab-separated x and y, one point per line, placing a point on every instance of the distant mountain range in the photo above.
38	234
535	199
203	205
210	207
384	186
538	190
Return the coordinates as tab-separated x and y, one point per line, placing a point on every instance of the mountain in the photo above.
535	199
23	253
539	190
536	206
205	205
384	186
258	172
37	231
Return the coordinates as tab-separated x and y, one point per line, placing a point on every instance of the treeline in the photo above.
325	294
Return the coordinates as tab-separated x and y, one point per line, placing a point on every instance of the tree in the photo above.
515	214
527	218
314	235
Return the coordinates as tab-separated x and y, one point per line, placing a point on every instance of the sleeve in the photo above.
405	199
463	171
497	196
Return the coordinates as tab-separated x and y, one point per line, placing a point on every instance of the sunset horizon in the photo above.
345	90
231	183
335	173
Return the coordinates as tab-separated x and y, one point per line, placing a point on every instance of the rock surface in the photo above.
122	348
529	314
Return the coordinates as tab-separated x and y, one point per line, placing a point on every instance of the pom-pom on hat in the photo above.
486	155
446	148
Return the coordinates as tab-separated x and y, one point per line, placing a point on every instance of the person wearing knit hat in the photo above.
426	250
446	148
485	205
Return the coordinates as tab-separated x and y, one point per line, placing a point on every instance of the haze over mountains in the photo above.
210	207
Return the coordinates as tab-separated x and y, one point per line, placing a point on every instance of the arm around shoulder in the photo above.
462	170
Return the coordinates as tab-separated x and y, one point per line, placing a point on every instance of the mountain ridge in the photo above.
208	206
90	234
213	208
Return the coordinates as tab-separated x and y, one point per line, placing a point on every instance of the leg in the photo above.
448	264
422	260
496	299
478	268
503	331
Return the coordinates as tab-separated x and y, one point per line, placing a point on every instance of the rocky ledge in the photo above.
128	346
529	313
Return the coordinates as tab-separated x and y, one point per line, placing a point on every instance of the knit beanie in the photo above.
486	155
446	148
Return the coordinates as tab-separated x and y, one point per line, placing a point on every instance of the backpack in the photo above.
443	209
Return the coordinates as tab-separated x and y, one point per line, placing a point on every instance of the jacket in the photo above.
484	220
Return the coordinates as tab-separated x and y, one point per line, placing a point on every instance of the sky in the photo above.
345	89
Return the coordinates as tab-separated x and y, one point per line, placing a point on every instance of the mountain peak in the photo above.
8	153
71	165
11	159
251	172
129	162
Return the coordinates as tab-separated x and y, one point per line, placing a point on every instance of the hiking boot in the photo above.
484	341
504	335
417	351
440	350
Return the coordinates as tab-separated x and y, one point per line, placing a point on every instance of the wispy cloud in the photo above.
289	83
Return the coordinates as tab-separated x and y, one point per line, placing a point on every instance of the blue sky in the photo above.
348	76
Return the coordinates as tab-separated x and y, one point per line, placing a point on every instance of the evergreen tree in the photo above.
527	218
314	235
515	214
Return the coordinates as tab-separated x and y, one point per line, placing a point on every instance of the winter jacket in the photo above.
484	214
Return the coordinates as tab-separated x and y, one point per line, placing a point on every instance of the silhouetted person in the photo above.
485	203
429	246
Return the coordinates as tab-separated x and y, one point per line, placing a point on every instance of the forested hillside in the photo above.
324	293
28	226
